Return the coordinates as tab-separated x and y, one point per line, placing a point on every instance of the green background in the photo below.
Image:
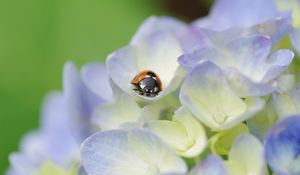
38	36
36	39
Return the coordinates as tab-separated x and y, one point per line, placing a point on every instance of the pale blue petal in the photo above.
244	86
295	38
58	137
156	24
247	53
95	78
282	146
238	13
198	55
275	28
81	101
277	63
191	38
136	152
211	165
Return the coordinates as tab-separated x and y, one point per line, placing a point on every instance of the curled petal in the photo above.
184	133
222	141
277	63
153	53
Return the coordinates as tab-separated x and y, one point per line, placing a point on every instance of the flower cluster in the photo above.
214	97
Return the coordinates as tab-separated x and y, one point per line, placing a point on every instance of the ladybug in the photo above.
147	83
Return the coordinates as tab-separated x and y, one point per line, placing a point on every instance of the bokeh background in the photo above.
38	36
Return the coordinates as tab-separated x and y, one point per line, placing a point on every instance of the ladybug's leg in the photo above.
138	90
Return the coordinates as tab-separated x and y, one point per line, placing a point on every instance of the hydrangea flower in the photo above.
84	93
246	157
240	13
134	152
179	99
54	141
246	62
207	94
287	103
292	6
282	146
149	50
184	133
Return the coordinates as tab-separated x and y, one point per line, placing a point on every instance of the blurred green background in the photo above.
38	36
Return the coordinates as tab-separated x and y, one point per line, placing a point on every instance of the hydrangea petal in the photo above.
221	142
49	168
134	152
112	115
295	38
156	24
207	95
244	160
153	54
211	165
81	101
275	28
57	130
238	13
287	103
277	63
261	122
244	86
282	146
96	79
248	53
184	133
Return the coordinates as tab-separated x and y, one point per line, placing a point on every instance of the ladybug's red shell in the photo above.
143	74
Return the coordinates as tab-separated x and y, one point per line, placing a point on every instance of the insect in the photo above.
147	83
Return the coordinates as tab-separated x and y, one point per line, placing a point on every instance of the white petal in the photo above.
157	52
113	115
184	133
135	152
287	103
122	67
194	129
206	94
246	154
